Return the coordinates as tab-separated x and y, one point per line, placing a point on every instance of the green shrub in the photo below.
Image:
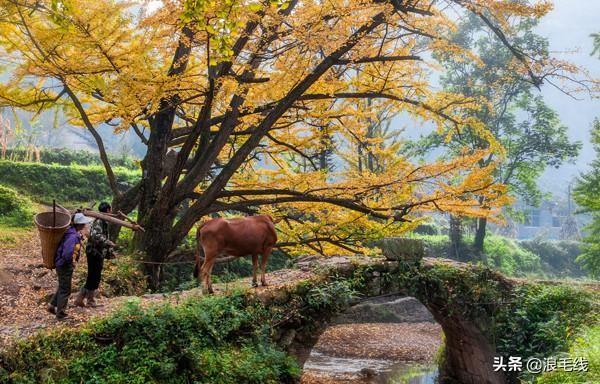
558	257
542	320
15	209
401	248
590	255
428	229
587	346
435	245
72	183
506	255
218	339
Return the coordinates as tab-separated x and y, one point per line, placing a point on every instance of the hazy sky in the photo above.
568	27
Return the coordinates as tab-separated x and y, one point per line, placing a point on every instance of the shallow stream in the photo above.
361	370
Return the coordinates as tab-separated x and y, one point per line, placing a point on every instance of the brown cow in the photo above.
238	237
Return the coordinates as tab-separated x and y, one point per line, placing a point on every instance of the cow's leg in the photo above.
254	270
204	273
208	278
210	255
263	265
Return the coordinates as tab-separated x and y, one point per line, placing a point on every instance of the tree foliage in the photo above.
230	92
530	132
587	196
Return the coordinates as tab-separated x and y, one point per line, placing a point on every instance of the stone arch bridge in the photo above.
461	297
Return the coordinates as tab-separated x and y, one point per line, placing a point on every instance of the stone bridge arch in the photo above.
460	297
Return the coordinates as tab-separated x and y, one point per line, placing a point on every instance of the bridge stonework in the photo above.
451	291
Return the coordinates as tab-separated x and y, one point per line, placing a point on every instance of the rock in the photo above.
368	373
391	309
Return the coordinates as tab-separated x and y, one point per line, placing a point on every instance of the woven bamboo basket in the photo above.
51	227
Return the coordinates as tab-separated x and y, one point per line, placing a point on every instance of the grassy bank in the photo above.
215	340
73	183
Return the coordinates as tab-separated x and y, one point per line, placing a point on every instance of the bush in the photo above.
557	256
542	320
501	253
218	339
73	183
428	229
506	255
586	346
63	156
435	245
15	210
400	248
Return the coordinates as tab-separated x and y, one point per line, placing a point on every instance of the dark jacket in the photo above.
99	242
69	248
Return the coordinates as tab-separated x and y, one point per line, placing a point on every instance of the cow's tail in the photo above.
199	252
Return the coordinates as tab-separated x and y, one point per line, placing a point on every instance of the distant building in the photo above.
551	220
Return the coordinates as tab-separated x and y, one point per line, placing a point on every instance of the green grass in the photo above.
509	257
16	210
12	236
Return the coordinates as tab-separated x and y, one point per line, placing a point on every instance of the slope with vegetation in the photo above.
534	258
65	183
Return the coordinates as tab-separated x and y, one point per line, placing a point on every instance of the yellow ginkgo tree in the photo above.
236	99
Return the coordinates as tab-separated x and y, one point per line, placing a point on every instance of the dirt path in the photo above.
26	286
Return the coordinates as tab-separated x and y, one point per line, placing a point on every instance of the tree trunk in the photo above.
155	244
480	235
456	237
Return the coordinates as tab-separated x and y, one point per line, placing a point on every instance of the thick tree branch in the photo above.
378	95
379	59
112	181
209	196
205	160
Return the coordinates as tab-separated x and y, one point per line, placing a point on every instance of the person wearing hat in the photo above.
69	250
99	247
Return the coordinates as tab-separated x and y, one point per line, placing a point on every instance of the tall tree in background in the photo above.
229	89
587	196
530	131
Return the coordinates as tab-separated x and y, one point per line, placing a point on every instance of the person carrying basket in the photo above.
69	251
